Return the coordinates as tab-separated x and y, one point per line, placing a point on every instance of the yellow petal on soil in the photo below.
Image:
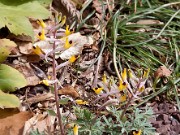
81	102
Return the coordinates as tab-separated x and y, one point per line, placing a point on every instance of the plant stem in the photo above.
127	105
56	90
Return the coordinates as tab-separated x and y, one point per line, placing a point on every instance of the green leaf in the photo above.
15	17
8	100
11	79
51	112
5	48
63	101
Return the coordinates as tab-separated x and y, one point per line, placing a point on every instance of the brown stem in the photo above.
56	90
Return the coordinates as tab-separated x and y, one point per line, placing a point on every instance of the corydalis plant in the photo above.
129	88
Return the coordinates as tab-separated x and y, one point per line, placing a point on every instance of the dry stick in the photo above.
56	90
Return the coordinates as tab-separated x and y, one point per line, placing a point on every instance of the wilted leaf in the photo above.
69	90
5	48
10	78
13	124
8	100
15	16
162	71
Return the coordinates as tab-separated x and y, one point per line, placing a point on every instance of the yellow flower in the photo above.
122	85
63	21
146	73
124	75
130	73
104	79
123	98
67	44
45	82
72	59
41	23
81	102
137	132
67	32
98	90
141	89
75	129
37	50
41	35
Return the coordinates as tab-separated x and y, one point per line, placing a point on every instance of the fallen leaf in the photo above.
69	90
162	71
28	72
42	122
13	124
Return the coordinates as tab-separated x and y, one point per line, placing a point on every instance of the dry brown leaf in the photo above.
14	123
69	90
27	71
25	47
42	122
162	71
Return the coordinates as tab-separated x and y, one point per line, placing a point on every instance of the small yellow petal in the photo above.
81	102
75	129
41	23
98	90
67	32
124	75
45	82
146	73
67	44
41	35
123	98
72	59
122	85
141	89
37	50
63	21
130	73
104	78
137	132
